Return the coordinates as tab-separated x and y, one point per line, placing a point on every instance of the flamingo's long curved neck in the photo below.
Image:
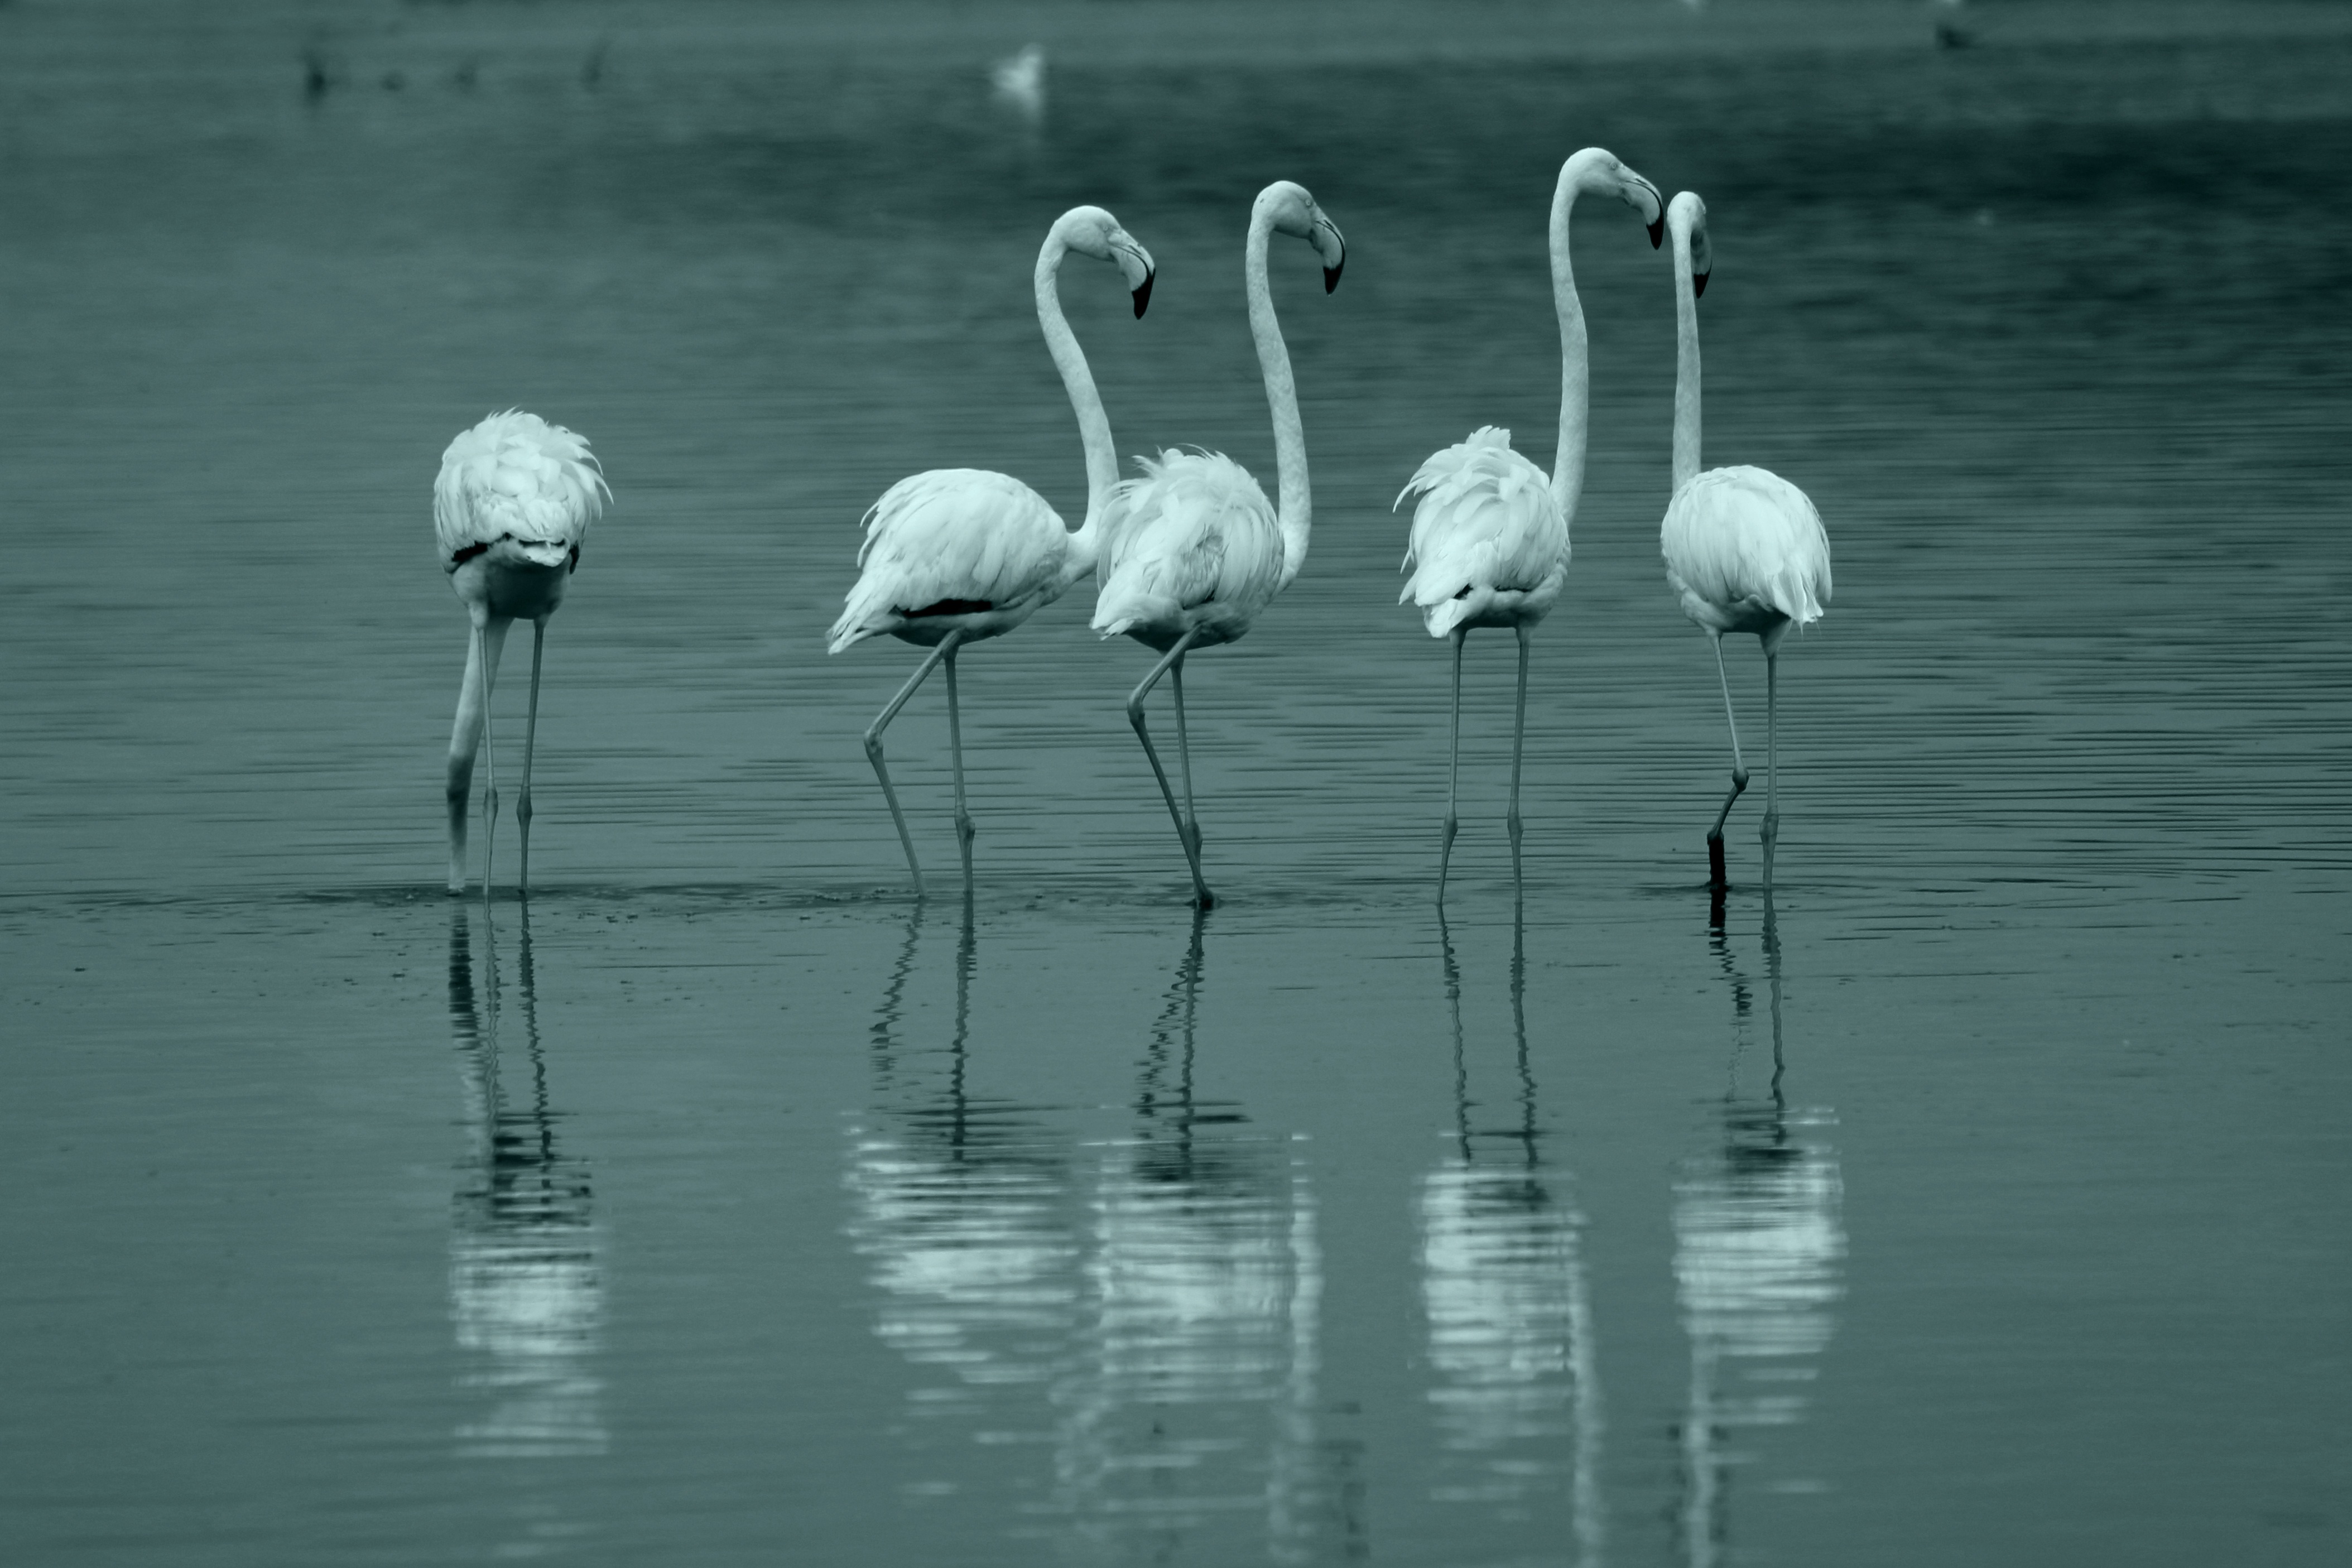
1296	503
1685	362
1094	425
1575	363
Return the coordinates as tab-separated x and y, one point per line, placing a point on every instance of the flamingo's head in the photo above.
1289	209
1091	231
1598	172
1686	216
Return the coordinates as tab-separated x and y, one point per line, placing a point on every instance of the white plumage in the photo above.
1489	542
946	538
510	510
1745	550
1489	538
954	555
515	477
1190	544
1191	549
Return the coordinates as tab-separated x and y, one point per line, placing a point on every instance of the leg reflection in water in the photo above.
1510	1319
960	1204
1759	1243
1193	1412
526	1294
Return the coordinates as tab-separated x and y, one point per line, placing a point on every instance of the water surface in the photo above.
1975	1196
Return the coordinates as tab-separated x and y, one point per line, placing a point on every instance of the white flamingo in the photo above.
1193	551
953	555
1745	549
1489	533
514	500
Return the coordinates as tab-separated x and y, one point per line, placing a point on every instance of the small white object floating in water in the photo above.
1019	80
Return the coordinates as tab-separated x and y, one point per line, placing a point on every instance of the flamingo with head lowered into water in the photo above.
510	508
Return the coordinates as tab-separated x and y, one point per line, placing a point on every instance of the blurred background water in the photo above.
1976	1197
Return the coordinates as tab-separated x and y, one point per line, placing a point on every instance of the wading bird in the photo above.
1745	549
1193	551
953	555
1489	533
515	498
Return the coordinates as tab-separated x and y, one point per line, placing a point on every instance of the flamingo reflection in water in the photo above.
526	1289
963	1210
1510	1317
1195	1406
1759	1242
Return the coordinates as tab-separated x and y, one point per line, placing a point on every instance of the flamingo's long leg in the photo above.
530	743
1453	772
1719	879
1771	761
964	829
1518	745
874	749
493	638
1191	825
1201	896
465	740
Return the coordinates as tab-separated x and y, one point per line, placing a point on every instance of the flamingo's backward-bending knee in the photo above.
1191	825
1717	877
874	750
1201	895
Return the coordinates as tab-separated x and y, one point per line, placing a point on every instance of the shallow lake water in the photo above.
1975	1195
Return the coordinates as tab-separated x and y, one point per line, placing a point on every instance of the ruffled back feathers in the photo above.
1489	536
514	475
1192	529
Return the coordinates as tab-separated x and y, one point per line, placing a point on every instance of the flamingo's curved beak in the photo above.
1143	292
1329	244
1698	284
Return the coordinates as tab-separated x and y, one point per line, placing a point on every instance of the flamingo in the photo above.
512	504
1745	550
1489	533
954	555
1193	551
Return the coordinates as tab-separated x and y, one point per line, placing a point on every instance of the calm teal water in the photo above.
1975	1197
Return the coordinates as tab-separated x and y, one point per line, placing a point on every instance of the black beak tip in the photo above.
1144	294
1698	284
1658	229
1331	277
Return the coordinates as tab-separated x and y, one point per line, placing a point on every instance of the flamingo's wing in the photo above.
516	477
1190	529
950	536
1744	535
1486	522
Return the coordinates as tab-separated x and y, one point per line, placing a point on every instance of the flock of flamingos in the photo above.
1188	552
